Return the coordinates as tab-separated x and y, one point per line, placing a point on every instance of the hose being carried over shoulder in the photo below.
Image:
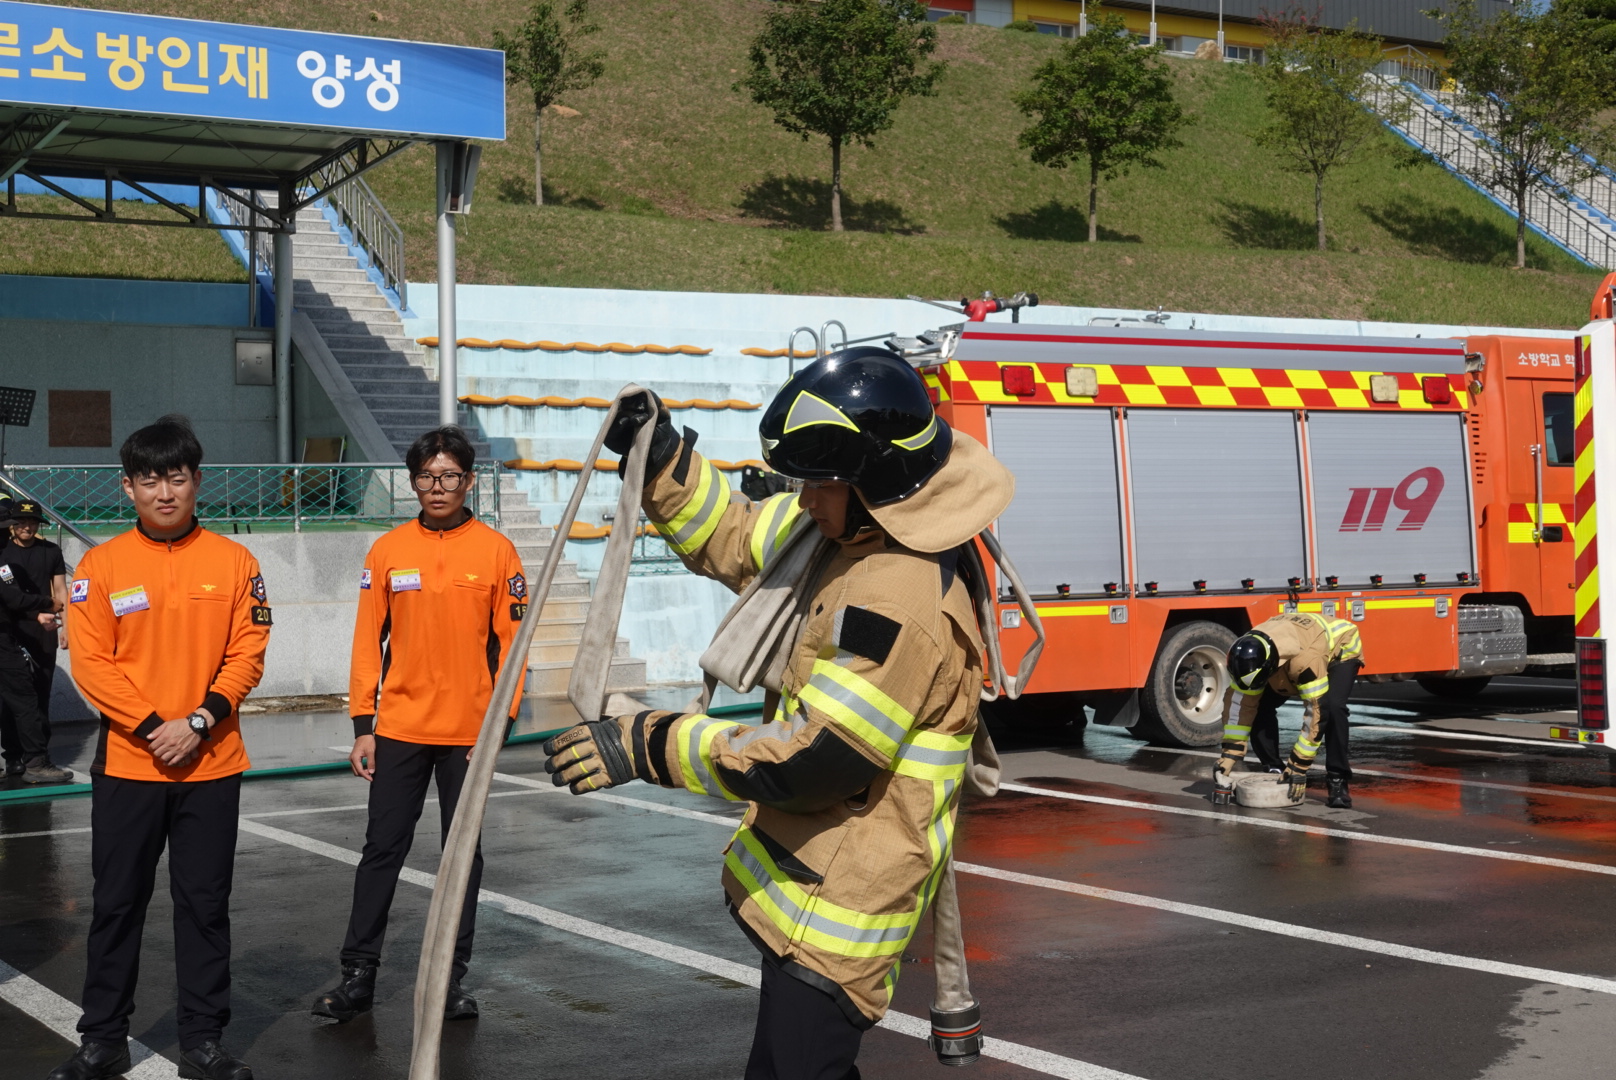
586	691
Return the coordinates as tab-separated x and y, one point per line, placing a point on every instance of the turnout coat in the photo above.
854	782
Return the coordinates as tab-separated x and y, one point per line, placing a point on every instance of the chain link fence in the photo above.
294	495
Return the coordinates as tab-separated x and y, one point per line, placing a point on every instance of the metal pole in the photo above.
1083	19
283	340
448	406
1220	29
1152	22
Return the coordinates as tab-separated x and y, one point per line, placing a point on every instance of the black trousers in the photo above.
802	1033
1333	718
397	794
24	711
130	823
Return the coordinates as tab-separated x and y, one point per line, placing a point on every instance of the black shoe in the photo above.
14	766
1340	798
93	1061
41	771
210	1061
459	1005
350	997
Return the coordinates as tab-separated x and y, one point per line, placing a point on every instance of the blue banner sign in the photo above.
109	61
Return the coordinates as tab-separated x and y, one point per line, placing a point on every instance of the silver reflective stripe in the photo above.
927	756
716	490
865	711
782	514
778	731
830	927
693	755
942	818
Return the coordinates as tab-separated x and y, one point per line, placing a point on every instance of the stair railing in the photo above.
372	227
1549	207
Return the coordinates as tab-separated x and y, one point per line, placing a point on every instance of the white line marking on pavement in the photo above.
1398	775
602	796
62	1016
1015	1053
1424	732
1306	933
43	832
1315	830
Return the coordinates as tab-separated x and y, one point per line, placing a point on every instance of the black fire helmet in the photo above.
1253	659
861	416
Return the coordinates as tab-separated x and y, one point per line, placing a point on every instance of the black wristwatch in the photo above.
199	724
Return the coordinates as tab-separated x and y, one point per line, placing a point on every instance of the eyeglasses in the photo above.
450	481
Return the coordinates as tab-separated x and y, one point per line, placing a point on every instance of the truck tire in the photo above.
1457	689
1181	703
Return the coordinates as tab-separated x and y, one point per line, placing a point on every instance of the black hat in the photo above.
26	508
861	416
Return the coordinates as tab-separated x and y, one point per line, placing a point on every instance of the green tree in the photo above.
1531	81
840	69
545	54
1315	81
1105	100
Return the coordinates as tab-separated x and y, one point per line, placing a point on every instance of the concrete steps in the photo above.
399	385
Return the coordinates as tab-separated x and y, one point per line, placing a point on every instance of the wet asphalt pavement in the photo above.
1118	926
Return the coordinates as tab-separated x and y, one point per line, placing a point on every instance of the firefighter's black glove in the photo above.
591	757
634	413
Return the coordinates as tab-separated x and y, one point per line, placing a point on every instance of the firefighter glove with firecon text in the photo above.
610	751
633	413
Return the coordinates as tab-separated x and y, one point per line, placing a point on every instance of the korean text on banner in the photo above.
107	61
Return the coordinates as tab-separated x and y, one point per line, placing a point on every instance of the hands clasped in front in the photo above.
174	743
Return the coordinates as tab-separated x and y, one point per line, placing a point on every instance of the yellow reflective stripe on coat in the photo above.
926	755
1311	691
691	526
1236	731
774	523
1243	692
1306	748
1345	641
856	703
695	742
813	920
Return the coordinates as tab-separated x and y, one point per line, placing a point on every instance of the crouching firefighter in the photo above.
1298	654
862	609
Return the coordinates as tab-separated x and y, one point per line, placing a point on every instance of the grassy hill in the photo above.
669	179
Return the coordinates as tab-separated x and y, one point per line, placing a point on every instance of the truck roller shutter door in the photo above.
1217	496
1391	496
1065	525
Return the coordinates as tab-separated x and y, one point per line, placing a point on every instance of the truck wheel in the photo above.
1182	700
1459	689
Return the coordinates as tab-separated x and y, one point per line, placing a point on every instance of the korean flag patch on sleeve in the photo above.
364	578
81	590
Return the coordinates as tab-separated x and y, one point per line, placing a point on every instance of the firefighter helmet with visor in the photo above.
1253	659
861	416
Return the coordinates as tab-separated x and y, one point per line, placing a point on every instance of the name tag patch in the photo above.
127	601
80	591
405	580
6	575
517	612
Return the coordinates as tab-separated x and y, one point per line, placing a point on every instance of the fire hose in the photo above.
956	1016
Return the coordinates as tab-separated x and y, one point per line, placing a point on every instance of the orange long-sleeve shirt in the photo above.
156	629
438	610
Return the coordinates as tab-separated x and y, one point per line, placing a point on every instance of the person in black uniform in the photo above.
36	566
26	738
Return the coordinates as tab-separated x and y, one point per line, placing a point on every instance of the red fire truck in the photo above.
1176	487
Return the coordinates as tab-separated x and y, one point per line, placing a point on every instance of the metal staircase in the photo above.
1581	219
399	386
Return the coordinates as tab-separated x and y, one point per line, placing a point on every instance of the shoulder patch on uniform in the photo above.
866	633
517	584
6	574
261	616
256	585
364	578
80	591
518	612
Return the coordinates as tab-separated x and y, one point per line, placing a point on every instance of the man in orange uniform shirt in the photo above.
168	625
439	602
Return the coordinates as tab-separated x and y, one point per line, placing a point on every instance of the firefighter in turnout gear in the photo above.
1298	654
854	782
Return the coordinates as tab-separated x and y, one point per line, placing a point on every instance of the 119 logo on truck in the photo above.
1176	488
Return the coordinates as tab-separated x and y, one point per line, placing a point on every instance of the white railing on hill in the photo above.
373	229
1579	219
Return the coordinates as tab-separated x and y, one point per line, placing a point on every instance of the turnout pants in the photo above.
802	1033
130	823
24	727
1324	726
397	794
